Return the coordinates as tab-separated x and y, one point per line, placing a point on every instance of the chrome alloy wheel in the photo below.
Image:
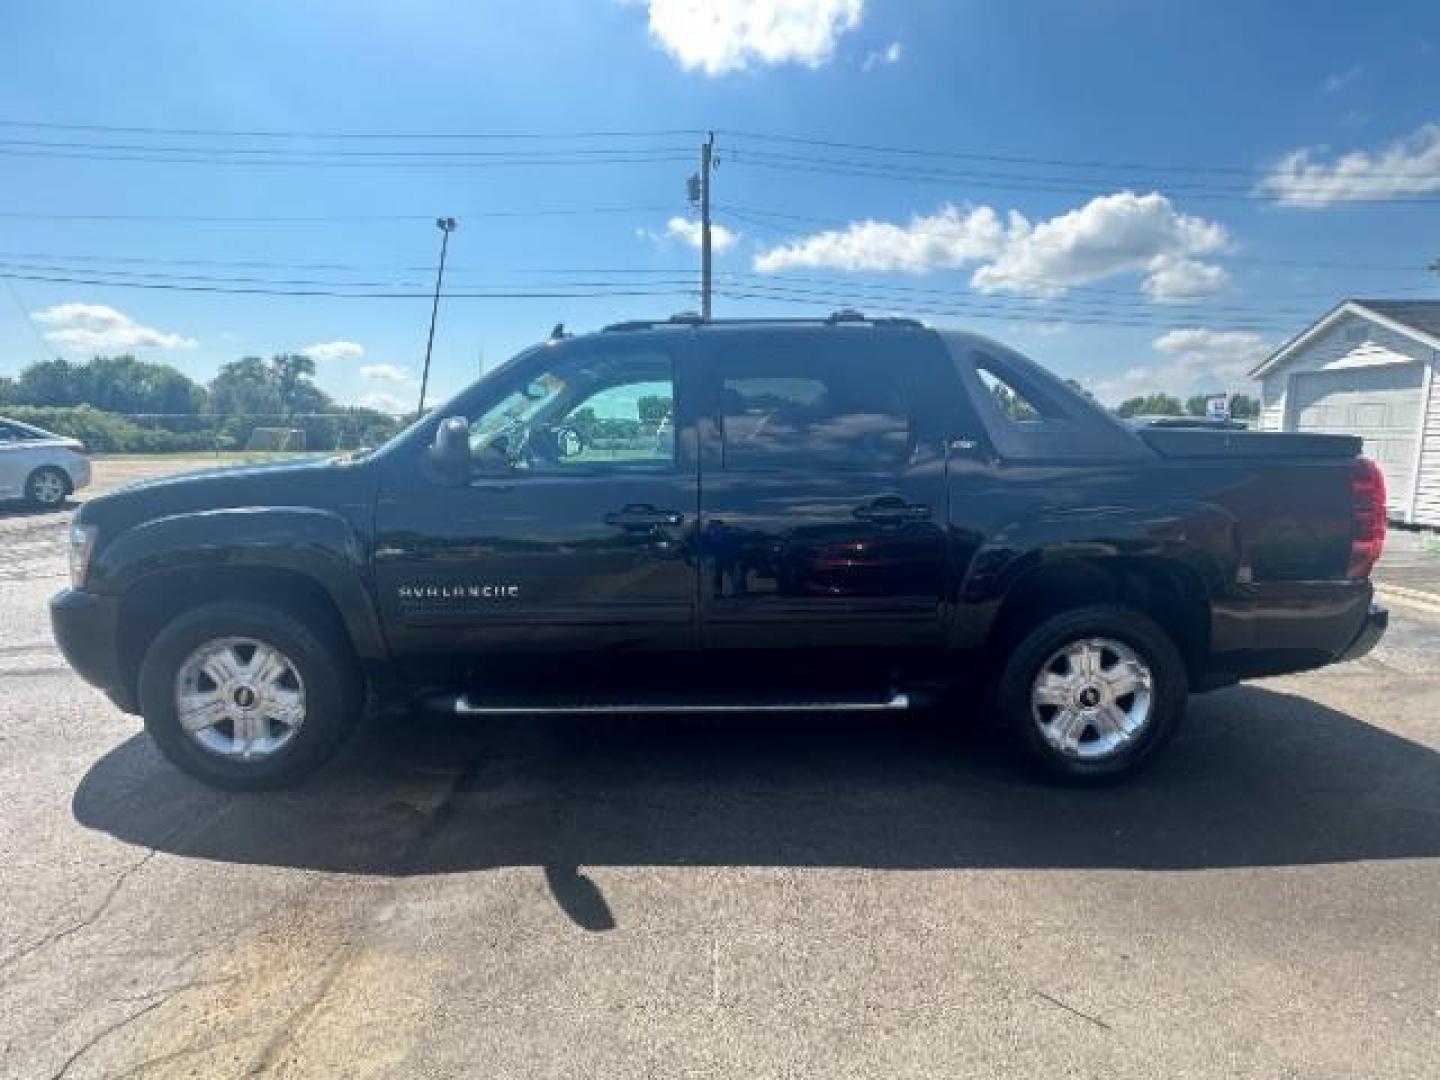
48	488
1092	698
239	698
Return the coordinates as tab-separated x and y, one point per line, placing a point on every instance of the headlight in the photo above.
82	543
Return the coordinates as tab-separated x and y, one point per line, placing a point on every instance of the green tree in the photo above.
50	382
1158	404
653	408
244	387
1244	407
7	391
280	386
292	374
120	384
1014	406
583	421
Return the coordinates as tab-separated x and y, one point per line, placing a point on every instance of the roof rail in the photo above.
835	318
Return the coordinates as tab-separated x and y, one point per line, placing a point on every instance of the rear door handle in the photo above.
642	516
892	511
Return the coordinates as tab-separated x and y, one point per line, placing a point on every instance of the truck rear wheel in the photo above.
1091	694
248	696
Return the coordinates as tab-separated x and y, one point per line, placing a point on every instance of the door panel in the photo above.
824	509
585	544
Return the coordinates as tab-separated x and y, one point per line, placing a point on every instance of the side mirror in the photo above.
450	452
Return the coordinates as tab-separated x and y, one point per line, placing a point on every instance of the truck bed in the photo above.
1183	443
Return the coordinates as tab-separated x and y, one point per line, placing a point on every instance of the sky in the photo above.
1142	194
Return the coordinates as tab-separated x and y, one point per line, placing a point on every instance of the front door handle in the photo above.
642	516
890	510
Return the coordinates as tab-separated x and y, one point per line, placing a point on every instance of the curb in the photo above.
1412	598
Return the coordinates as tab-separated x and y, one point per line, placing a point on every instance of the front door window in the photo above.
594	409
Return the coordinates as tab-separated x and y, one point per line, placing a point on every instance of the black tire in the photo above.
334	692
38	478
1169	691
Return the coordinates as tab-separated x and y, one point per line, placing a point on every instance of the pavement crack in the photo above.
94	916
340	958
1071	1009
106	1032
189	1050
109	898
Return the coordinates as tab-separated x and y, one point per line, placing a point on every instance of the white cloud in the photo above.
334	350
1109	235
888	55
98	326
948	238
687	231
1196	361
1408	166
386	403
386	373
1175	279
720	36
1050	328
1341	79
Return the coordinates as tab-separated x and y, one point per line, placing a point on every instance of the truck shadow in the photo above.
1259	778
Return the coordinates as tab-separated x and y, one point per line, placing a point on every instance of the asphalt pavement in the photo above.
823	897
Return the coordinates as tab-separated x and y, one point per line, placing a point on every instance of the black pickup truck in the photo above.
844	514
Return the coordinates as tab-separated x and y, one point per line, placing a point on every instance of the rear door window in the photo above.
811	404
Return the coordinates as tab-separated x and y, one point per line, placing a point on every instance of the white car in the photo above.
39	466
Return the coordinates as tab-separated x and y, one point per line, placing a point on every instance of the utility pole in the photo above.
699	190
446	225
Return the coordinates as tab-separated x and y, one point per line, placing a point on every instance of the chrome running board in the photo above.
464	706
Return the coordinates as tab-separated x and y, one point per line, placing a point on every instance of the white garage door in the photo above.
1380	404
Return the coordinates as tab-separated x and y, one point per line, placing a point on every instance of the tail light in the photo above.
1367	502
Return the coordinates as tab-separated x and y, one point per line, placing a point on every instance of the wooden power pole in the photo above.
707	165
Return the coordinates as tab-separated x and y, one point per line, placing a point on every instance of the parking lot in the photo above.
762	898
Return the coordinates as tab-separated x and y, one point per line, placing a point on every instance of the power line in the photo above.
306	219
1013	159
1053	311
252	151
64	279
814	299
1062	186
86	257
58	268
637	157
45	346
1073	300
43	125
1110	299
748	213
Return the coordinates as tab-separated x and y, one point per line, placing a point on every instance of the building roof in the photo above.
1418	319
1422	315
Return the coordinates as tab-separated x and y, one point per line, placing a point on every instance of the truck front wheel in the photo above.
247	696
1091	694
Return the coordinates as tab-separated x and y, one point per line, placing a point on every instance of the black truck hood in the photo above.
322	483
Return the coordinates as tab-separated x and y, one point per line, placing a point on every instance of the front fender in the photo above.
319	544
1200	537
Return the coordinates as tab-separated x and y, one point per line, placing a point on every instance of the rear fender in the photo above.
1200	537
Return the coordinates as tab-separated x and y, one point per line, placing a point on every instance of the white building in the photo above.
1368	368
